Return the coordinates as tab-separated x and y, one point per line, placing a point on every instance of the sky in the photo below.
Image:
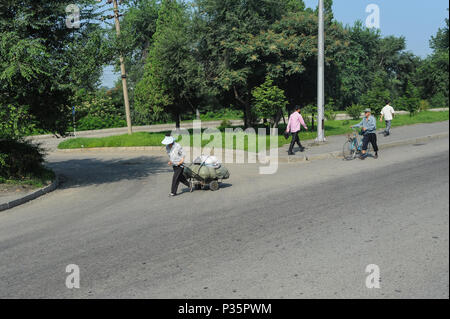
416	20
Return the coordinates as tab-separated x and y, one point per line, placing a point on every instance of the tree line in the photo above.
255	56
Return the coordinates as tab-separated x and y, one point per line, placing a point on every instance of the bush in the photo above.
269	101
221	114
309	109
401	103
20	159
413	105
309	113
96	123
424	105
99	112
354	111
412	99
410	104
330	110
225	124
439	100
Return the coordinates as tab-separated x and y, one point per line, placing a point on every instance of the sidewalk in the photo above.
186	125
401	135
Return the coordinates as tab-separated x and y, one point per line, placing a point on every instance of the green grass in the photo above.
154	139
137	139
37	180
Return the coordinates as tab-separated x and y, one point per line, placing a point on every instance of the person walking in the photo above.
388	114
176	160
369	130
294	126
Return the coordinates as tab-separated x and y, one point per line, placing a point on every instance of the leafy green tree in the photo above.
378	95
14	122
224	28
138	26
279	40
269	101
369	56
287	52
440	42
172	82
354	111
412	99
40	66
432	76
355	64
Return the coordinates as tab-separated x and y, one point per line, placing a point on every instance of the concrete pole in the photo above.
321	77
122	70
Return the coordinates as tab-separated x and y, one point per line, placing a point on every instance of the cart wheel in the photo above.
214	186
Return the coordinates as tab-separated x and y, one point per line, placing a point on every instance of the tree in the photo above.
269	101
224	27
378	95
39	64
136	37
172	78
440	42
432	75
412	99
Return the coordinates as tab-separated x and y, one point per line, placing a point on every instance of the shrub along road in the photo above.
308	231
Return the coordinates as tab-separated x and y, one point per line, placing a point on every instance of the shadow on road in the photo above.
91	171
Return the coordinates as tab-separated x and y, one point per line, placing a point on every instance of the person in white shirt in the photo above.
176	160
387	113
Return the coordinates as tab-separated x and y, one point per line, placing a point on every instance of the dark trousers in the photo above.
295	139
372	138
177	178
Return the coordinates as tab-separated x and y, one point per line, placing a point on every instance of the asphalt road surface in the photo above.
308	231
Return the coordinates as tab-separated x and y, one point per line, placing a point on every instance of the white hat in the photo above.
168	140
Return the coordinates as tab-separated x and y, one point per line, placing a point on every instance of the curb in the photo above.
31	196
338	154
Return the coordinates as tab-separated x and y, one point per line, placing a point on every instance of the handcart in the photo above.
198	182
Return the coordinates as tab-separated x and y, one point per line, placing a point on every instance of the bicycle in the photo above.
353	146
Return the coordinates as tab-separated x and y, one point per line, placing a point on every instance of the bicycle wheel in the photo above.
349	150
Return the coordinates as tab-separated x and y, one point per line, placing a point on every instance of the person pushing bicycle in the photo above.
369	129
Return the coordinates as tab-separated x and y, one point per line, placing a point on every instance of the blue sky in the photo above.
416	20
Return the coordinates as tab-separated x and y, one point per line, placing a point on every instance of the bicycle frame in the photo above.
355	143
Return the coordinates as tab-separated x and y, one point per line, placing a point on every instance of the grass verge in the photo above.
154	139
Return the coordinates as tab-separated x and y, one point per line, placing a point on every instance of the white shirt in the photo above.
388	112
176	153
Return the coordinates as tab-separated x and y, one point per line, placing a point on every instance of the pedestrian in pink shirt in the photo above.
294	126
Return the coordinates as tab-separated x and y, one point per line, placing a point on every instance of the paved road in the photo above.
309	231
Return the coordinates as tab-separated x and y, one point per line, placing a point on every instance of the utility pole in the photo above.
122	67
321	78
